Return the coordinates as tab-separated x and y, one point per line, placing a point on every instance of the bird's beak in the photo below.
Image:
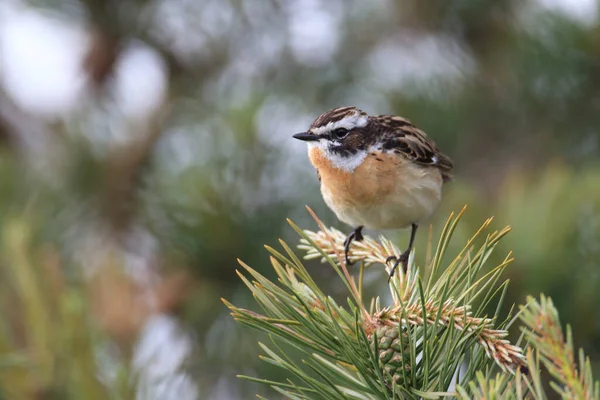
306	136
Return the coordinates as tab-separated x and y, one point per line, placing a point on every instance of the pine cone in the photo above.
390	352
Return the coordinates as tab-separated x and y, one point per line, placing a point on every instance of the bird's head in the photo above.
339	133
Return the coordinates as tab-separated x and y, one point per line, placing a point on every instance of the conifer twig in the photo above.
338	254
411	348
407	309
544	331
507	356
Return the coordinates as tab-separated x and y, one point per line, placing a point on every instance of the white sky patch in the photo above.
40	60
281	117
159	355
189	26
140	81
583	11
314	32
278	119
409	58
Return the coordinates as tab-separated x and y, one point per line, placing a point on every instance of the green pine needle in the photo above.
432	341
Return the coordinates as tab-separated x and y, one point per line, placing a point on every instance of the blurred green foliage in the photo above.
158	206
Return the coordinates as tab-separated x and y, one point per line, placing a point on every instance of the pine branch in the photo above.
548	346
493	341
371	252
545	334
499	387
411	348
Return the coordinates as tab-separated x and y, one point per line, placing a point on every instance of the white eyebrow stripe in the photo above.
349	122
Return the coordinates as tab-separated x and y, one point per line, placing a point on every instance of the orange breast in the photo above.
371	182
385	191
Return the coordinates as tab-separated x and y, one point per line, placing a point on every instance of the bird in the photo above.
376	172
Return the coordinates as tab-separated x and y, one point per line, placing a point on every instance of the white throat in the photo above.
346	163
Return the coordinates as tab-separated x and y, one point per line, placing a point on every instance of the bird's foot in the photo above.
357	235
403	259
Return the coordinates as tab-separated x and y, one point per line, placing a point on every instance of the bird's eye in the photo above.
340	133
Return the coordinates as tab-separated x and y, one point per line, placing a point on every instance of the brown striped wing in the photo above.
401	136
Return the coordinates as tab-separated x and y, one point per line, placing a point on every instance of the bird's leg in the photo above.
403	259
356	234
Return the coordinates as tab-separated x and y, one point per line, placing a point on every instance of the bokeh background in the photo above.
146	144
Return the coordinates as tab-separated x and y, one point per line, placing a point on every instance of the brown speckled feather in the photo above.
399	135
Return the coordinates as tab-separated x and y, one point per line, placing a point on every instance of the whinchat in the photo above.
376	171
